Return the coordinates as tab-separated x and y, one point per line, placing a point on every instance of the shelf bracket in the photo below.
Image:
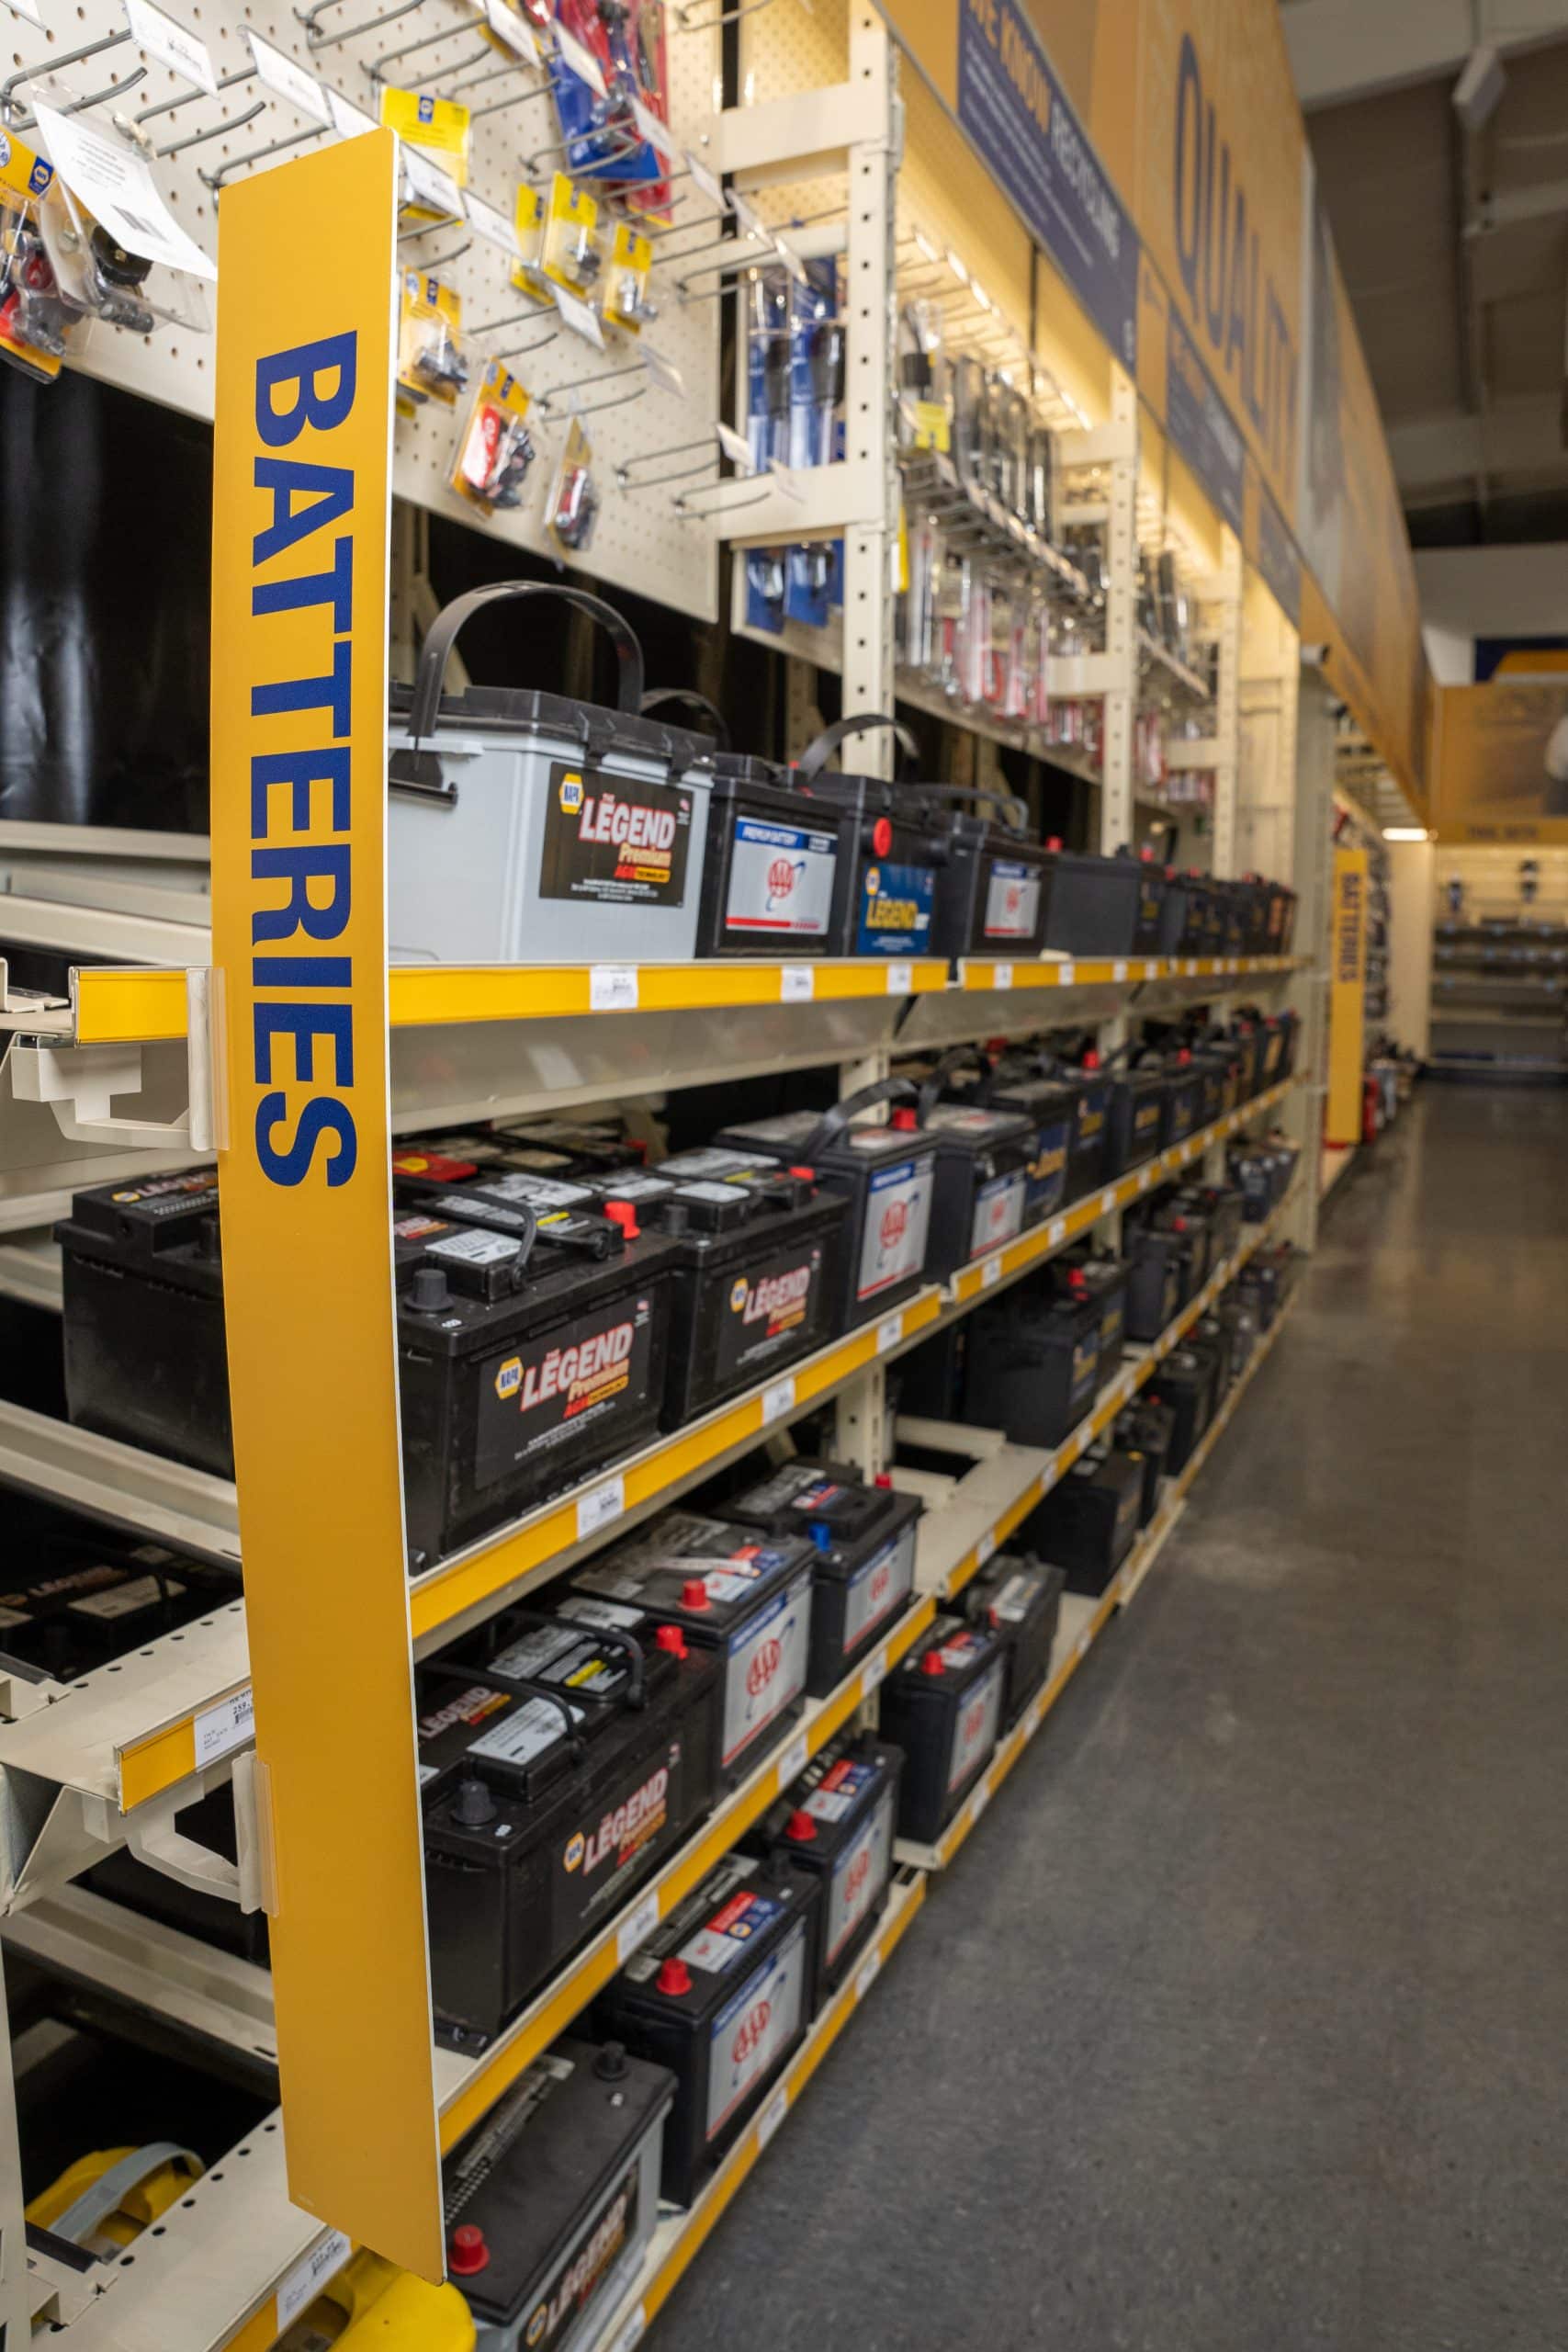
80	1083
153	1837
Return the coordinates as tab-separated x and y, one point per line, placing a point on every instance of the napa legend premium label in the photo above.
612	840
895	904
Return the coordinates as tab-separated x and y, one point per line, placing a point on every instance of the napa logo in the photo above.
737	1294
570	794
538	2323
872	881
576	1847
509	1378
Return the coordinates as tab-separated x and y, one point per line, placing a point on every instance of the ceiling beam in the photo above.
1350	49
1515	437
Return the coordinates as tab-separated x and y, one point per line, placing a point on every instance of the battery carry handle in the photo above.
833	1121
718	725
956	1057
515	1686
1015	816
817	752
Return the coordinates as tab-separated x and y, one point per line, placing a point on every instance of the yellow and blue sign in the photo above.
1347	998
301	503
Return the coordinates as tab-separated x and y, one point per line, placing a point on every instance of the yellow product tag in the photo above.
932	424
429	365
439	125
529	221
901	555
25	178
22	173
631	257
572	250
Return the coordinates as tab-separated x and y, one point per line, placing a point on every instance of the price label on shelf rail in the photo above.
778	1398
613	988
299	2287
600	1506
797	984
222	1729
890	1331
635	1930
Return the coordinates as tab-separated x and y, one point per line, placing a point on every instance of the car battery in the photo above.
1184	1096
1158	1258
722	1995
1051	1109
1087	1522
550	2202
836	1822
1185	1382
1020	1598
887	1173
592	1147
1208	1332
1253	1172
1032	1362
1088	1088
1095	904
863	1540
1144	1433
1261	1286
728	1588
1290	1024
1136	1117
993	883
525	827
942	1706
559	1764
455	1158
930	1381
1183	1214
1235	916
1212	1071
780	874
900	846
1240	1324
756	1280
1173	912
75	1595
1205	928
1224	1207
983	1156
1083	1272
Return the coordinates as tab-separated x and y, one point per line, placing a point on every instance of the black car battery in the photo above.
1173	912
1262	1285
1095	904
1239	1322
1212	1072
1181	1213
1032	1362
900	846
780	874
1185	1382
1020	1598
525	826
863	1540
1149	922
1158	1260
887	1173
75	1595
728	1588
1184	1096
942	1705
559	1764
722	1995
1290	1024
1137	1115
1087	1522
1210	1333
592	1146
1224	1207
452	1158
836	1822
1051	1109
983	1155
1144	1433
757	1281
1235	916
994	881
1204	927
550	2202
1018	1086
1084	1273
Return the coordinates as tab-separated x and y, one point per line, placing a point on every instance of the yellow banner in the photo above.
1501	764
301	503
1346	999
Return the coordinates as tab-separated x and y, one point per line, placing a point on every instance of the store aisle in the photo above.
1241	2024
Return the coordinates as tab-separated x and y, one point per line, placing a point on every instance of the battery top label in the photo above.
736	1923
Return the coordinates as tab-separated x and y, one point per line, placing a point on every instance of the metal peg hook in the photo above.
672	473
425	40
685	22
316	38
258	154
54	65
420	80
199	137
428	268
629	146
518	97
637	367
684	500
535	312
171	106
520	350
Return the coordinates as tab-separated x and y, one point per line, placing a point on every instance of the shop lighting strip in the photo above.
134	1004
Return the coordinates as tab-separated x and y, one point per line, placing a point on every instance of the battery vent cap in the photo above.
1092	1059
694	1594
882	836
467	2255
474	1805
670	1638
903	1117
429	1293
883	1478
624	1213
801	1827
611	2063
674	1977
932	1664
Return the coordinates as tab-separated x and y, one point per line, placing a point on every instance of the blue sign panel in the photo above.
1201	426
1016	112
1278	559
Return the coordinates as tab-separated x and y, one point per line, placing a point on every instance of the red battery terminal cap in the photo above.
624	1213
1054	843
883	1478
1146	855
1076	1278
670	1638
694	1594
467	2254
674	1977
1184	1054
1179	1225
1092	1059
801	1827
882	836
806	1175
905	1117
931	1663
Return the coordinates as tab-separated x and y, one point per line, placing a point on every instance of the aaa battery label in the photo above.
612	840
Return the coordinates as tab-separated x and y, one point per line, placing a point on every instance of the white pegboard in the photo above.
642	542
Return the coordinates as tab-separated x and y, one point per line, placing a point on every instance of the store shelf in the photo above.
1180	674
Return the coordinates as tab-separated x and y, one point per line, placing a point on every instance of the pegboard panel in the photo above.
640	542
1490	879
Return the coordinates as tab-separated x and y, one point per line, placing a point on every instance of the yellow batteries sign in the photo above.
1347	997
301	500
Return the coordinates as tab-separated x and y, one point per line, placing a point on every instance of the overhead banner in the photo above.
1347	998
1272	551
1502	763
301	504
1200	427
1019	118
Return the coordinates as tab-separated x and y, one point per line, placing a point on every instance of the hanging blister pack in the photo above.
432	365
767	432
816	399
571	255
36	321
626	300
113	248
572	509
495	449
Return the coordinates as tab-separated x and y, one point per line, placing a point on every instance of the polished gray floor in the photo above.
1241	2023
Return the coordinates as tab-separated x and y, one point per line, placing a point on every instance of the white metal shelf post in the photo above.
1121	614
1227	598
1312	873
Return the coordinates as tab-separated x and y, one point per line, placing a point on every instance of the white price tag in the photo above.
1083	1644
1056	1230
867	1972
979	1801
706	182
1119	969
874	1672
1124	1387
1146	1177
599	1506
1065	975
990	1273
1106	1201
635	1930
1037	1713
118	190
795	1760
487	221
1001	976
734	447
985	1546
349	121
890	1331
581	317
579	60
1151	969
900	979
220	1729
632	2334
785	483
613	988
778	1398
656	133
513	31
170	43
797	984
662	373
773	2115
791	260
1192	968
290	81
427	185
298	2287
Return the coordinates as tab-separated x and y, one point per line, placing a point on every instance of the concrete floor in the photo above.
1241	2023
